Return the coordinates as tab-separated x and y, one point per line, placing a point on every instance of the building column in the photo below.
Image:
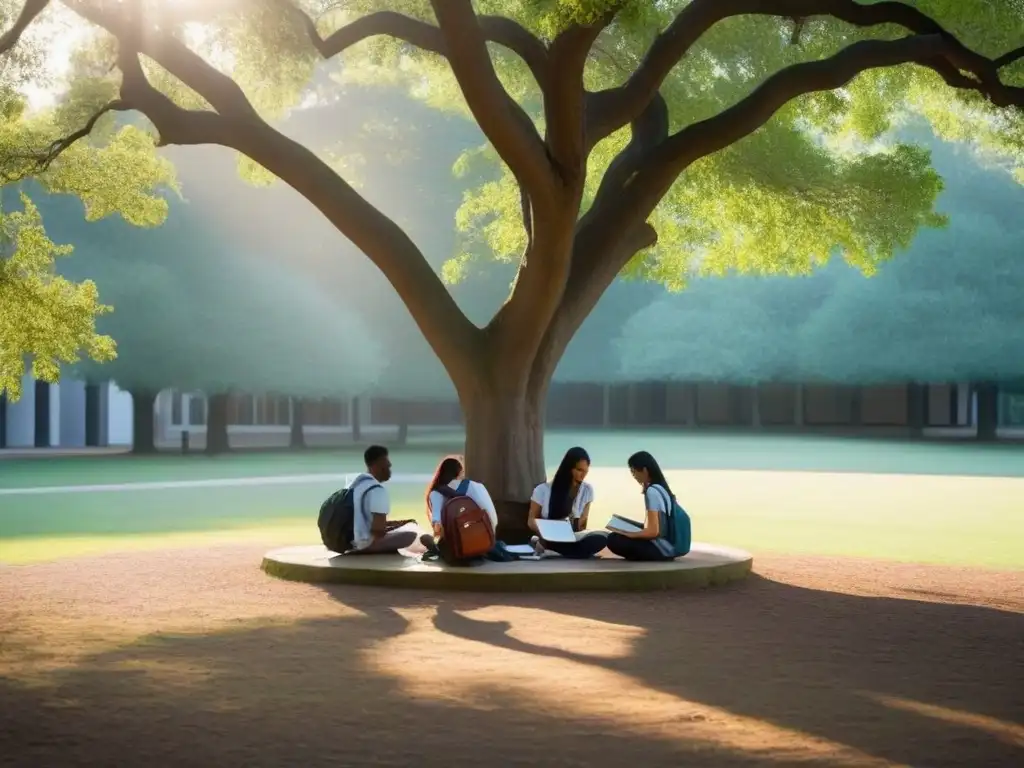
631	404
104	414
42	414
755	406
798	406
692	405
606	405
3	420
92	415
856	403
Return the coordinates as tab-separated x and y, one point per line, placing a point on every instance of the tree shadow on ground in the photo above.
917	683
306	693
562	680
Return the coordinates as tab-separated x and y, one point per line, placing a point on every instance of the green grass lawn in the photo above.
952	504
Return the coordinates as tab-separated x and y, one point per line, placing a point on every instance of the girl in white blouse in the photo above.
567	497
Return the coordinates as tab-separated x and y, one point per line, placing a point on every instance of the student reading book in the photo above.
665	532
566	498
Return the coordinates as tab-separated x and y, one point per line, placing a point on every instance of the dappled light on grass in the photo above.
1010	733
563	666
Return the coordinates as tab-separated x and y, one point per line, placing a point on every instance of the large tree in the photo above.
631	134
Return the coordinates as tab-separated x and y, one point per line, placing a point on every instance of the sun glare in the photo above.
61	33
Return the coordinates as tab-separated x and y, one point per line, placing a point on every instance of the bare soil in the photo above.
196	658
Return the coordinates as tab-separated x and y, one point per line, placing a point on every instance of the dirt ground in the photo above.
196	658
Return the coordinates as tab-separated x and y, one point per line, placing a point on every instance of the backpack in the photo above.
678	529
337	518
464	524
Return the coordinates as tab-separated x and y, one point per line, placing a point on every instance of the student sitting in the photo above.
449	480
372	534
567	496
652	542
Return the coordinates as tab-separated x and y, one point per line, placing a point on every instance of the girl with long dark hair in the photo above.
650	542
567	497
450	475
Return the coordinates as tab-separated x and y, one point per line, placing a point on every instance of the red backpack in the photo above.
465	526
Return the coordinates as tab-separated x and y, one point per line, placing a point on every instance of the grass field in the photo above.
912	502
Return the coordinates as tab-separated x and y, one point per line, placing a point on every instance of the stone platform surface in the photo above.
706	565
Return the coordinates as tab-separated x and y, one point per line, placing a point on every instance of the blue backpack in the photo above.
679	529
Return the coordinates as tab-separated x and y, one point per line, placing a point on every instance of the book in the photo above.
560	531
519	549
621	524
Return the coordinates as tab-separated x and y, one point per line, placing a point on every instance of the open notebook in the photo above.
561	530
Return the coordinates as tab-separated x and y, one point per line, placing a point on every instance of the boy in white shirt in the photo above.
372	535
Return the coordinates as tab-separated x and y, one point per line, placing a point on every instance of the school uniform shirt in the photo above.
542	496
475	491
367	501
657	499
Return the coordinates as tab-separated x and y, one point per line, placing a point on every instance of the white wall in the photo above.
72	413
119	416
21	416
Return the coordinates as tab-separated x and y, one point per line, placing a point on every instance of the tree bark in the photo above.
143	422
298	436
988	411
505	451
217	425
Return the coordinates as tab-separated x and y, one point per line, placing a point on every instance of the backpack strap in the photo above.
669	505
362	499
450	493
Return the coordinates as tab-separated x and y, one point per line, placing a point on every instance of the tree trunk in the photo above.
298	436
217	425
143	422
505	452
988	411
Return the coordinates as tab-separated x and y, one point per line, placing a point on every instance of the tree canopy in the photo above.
946	309
736	328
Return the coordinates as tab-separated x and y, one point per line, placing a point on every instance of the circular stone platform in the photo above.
706	565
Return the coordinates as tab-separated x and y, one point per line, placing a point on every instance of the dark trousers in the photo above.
635	549
586	547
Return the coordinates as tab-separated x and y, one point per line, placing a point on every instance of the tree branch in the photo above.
497	114
174	124
1009	58
660	167
595	265
601	250
127	22
496	29
60	145
39	162
29	12
564	101
615	107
